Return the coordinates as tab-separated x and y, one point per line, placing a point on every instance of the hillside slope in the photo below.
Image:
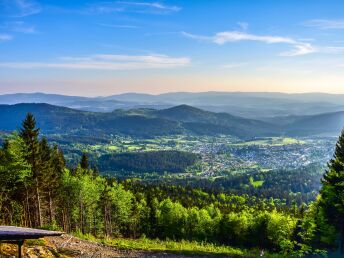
182	119
140	122
256	105
331	123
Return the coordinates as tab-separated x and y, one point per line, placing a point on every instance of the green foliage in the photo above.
37	189
279	230
154	161
84	161
330	215
15	171
178	247
35	242
143	122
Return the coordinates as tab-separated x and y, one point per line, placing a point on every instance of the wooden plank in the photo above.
19	233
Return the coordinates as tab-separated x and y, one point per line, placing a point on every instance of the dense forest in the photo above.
38	190
157	161
134	122
145	122
288	185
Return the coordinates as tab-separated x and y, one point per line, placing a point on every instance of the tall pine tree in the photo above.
331	200
84	161
29	133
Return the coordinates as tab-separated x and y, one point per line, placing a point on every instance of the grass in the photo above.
134	148
182	247
113	147
257	183
34	242
177	247
273	141
265	170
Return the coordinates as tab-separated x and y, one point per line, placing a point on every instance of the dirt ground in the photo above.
75	247
69	246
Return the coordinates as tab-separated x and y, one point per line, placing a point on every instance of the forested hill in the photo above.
139	122
254	105
201	121
176	120
317	124
157	161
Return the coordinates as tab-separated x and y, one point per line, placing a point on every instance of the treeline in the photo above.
150	161
190	196
299	185
38	190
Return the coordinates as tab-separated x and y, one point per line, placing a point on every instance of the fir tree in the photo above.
49	178
29	133
84	161
332	193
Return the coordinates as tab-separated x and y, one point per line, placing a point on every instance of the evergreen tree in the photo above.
332	193
52	165
29	133
14	171
152	204
84	161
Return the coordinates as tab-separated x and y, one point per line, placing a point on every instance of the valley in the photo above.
221	152
278	167
169	128
164	168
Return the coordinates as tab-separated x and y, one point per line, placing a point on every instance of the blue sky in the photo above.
105	47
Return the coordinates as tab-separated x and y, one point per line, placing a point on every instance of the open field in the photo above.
271	141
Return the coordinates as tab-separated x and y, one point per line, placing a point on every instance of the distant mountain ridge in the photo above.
317	124
256	105
145	122
141	122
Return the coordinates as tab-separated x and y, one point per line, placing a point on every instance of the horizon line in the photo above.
170	92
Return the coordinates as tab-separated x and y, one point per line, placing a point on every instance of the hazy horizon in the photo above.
167	92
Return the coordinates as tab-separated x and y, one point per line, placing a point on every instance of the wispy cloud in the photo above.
221	38
120	26
106	62
325	24
128	6
300	48
5	37
102	8
22	8
153	5
20	27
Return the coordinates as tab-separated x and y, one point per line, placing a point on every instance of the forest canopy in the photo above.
151	161
37	189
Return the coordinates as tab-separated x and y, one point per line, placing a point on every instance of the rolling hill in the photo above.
253	105
139	122
328	123
182	119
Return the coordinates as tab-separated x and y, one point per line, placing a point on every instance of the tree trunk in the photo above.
106	227
81	218
28	208
51	213
38	199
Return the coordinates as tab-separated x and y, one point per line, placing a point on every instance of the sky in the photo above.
94	48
